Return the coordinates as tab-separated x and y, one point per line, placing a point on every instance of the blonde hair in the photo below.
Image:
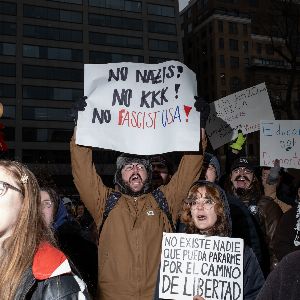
29	231
221	227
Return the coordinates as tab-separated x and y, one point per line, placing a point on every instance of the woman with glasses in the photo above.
206	212
31	267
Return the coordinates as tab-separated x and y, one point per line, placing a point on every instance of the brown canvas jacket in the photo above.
130	242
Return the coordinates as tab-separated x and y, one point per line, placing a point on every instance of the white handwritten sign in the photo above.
193	264
140	108
242	110
280	139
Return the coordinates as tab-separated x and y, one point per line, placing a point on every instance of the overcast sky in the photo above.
182	4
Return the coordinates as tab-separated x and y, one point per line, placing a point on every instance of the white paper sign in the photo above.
280	139
242	110
140	108
193	264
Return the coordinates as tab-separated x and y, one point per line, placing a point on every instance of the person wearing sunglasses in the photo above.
31	266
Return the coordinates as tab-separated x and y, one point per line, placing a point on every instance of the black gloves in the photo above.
203	107
79	105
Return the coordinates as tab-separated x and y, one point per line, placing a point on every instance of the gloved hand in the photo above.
203	107
238	143
79	105
274	173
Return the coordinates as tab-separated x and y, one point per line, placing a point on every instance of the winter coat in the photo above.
130	242
283	283
256	227
285	234
81	252
51	277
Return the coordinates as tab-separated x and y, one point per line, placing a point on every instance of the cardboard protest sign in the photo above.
139	108
242	110
280	139
193	264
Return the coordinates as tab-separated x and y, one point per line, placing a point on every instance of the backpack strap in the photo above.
111	201
163	205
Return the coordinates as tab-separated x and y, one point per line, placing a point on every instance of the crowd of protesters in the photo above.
109	245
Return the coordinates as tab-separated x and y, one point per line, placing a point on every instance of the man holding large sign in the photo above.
130	238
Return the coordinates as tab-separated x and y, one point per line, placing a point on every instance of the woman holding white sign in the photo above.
206	212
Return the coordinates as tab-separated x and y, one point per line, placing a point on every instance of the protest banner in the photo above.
280	139
139	108
193	264
242	110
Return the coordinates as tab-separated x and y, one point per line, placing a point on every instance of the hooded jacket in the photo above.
51	277
130	241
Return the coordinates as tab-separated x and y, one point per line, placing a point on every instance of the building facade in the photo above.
43	48
227	45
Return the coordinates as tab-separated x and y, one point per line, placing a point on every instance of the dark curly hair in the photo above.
221	227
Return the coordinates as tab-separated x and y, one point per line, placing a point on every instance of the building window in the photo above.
233	27
233	45
7	90
221	43
245	28
9	112
223	79
51	93
7	28
222	61
220	26
52	53
52	73
54	135
258	48
133	6
157	60
235	84
97	57
116	22
9	133
160	45
68	1
158	27
115	40
269	50
161	10
31	11
8	70
245	46
50	33
8	49
7	8
234	62
46	156
46	114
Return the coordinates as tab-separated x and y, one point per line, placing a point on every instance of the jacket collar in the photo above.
49	262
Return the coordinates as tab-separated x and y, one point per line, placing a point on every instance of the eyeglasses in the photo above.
4	186
240	169
207	204
47	203
130	167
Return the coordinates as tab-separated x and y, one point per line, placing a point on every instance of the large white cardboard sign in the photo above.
139	108
193	264
280	139
242	110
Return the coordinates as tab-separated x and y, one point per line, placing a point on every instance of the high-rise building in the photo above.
44	45
230	46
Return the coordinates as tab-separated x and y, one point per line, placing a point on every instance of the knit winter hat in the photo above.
125	159
210	159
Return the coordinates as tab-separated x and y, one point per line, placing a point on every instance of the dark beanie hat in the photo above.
125	159
210	159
